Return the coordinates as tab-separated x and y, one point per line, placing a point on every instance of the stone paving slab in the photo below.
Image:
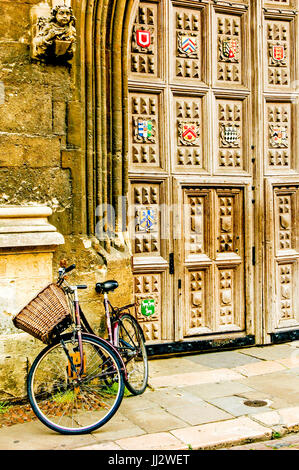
104	446
276	403
155	420
283	385
270	353
174	365
219	389
194	378
286	418
290	442
174	397
201	413
227	359
236	406
290	362
259	368
209	436
157	441
36	436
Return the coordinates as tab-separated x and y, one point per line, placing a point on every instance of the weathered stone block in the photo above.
16	26
59	117
20	344
12	378
26	110
12	53
35	152
74	123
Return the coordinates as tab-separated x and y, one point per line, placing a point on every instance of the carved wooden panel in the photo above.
278	3
230	307
196	216
278	136
230	135
144	41
286	277
144	131
146	236
286	212
188	48
148	287
226	225
278	57
198	317
195	228
229	213
230	300
229	49
188	133
286	256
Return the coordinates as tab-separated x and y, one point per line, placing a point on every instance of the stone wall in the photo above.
42	158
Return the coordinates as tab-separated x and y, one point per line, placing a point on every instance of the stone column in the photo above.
27	244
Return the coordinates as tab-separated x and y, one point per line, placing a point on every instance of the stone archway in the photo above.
104	29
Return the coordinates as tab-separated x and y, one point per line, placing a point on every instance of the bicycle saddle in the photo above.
107	286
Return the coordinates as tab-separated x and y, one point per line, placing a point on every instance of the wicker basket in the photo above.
45	315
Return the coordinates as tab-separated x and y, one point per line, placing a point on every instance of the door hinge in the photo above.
253	255
171	263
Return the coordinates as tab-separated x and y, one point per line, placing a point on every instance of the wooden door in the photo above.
212	272
211	119
280	87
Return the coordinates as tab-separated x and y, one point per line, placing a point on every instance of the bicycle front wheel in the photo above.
66	404
132	349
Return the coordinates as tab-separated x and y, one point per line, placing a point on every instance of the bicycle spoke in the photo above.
71	404
132	348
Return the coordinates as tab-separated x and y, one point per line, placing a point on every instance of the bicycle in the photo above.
76	383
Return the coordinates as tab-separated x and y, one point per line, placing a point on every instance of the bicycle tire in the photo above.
131	346
60	402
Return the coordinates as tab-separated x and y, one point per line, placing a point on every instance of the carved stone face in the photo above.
63	16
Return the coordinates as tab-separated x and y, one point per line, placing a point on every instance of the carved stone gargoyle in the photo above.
55	37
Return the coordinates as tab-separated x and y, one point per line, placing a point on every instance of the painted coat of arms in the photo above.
230	49
188	133
278	136
144	130
278	54
230	135
143	38
187	45
146	220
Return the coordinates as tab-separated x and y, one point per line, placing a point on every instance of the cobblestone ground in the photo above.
289	442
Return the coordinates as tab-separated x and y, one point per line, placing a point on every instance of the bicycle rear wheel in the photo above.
132	349
63	403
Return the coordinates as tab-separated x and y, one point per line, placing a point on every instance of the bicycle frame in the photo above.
112	325
84	326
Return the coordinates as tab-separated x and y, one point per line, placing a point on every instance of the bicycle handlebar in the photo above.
62	271
70	268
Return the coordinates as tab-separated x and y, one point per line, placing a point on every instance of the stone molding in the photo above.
27	227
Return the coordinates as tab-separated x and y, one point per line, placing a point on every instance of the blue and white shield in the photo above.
146	220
